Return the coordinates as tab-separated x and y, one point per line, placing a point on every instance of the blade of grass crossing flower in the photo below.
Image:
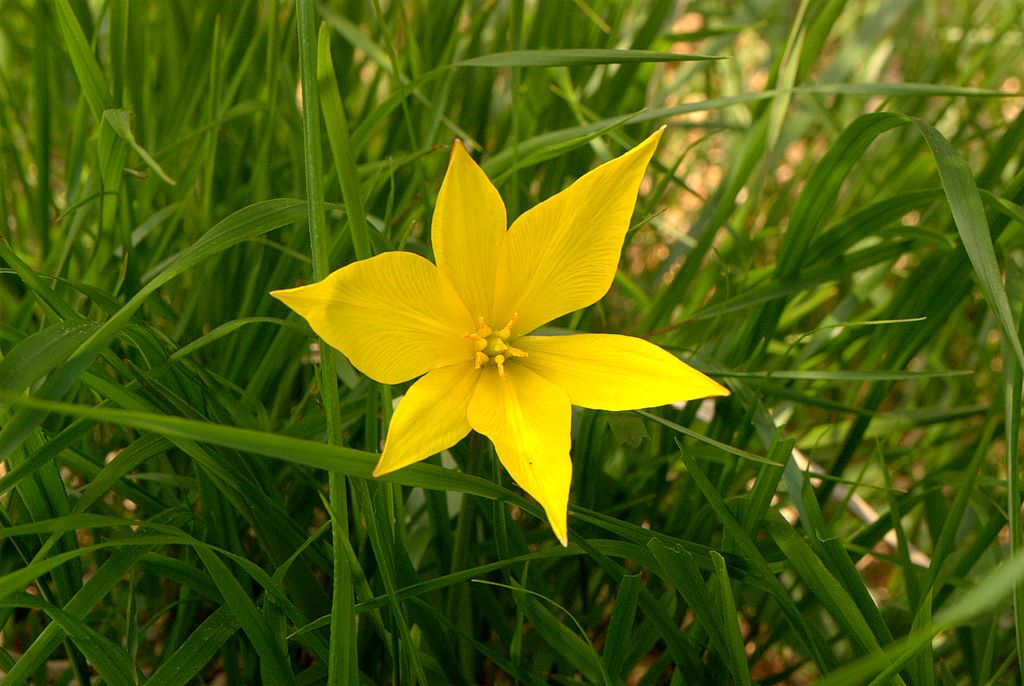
343	666
347	461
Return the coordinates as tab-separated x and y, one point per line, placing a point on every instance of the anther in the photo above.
492	346
507	330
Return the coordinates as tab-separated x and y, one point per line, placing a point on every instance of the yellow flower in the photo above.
463	325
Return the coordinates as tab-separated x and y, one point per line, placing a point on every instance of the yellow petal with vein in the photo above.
467	230
430	417
561	255
610	372
394	316
529	421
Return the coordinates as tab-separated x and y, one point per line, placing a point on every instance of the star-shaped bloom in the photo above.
463	325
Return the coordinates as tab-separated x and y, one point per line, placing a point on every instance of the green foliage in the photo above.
832	227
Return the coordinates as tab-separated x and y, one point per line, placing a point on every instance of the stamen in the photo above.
479	342
507	330
492	346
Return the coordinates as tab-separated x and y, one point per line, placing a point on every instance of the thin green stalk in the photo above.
1014	378
336	122
343	666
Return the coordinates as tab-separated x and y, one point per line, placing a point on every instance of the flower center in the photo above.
492	347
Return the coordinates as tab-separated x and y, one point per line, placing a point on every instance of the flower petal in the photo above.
610	372
561	255
394	316
529	421
468	228
430	417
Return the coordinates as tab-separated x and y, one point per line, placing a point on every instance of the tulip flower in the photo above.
463	325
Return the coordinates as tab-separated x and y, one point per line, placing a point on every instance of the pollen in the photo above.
492	347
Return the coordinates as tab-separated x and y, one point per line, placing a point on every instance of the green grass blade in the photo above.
87	69
341	145
343	657
620	625
183	666
575	57
109	659
969	216
246	223
736	655
340	459
273	657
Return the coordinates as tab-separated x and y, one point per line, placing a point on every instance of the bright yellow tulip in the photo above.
464	324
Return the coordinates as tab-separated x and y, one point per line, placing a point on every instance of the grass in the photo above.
832	227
